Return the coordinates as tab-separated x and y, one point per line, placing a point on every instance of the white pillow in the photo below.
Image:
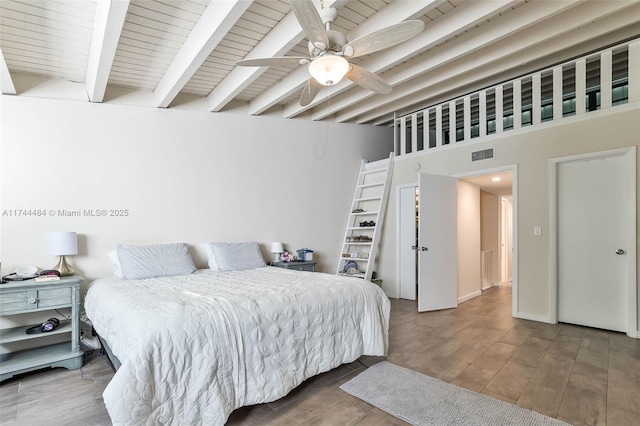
211	259
160	260
115	263
237	256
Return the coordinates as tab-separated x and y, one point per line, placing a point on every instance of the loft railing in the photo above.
600	80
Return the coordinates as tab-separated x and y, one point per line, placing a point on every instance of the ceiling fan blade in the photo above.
368	80
310	21
384	38
310	91
275	61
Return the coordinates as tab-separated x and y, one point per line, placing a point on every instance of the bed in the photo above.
197	346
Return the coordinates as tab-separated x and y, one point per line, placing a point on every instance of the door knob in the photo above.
423	248
619	251
414	248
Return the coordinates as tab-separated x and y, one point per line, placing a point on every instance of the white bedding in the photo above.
195	347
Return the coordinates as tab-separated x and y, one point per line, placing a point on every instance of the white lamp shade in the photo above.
329	69
277	248
61	243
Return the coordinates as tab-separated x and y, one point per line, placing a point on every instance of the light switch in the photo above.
537	231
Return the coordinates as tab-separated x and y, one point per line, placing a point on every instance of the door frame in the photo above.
399	189
554	163
513	168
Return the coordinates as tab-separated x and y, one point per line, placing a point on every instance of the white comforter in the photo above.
194	348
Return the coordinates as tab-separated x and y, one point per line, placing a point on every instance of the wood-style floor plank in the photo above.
584	401
577	374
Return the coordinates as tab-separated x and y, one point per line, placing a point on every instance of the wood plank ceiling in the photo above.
182	53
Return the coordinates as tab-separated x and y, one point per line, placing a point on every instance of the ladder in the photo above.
361	237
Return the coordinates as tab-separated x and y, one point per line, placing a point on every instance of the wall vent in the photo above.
482	155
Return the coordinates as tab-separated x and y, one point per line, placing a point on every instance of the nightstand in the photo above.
31	296
298	266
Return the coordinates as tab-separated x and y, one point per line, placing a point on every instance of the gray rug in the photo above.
423	400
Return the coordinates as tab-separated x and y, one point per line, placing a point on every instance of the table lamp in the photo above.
62	243
277	249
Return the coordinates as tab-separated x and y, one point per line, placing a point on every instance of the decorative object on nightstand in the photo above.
31	296
62	243
23	273
277	249
305	254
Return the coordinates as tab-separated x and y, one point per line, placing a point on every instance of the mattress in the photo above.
195	347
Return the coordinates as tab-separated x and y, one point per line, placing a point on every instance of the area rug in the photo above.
423	400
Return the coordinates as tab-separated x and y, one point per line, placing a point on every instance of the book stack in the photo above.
45	278
48	275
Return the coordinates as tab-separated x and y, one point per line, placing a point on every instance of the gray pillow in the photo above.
237	256
159	260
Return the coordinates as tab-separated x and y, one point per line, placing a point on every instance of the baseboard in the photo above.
491	285
533	317
635	334
470	296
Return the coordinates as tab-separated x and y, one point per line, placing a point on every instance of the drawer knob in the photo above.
32	300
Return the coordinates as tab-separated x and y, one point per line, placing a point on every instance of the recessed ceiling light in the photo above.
495	179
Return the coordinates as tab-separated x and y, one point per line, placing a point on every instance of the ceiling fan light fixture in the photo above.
329	69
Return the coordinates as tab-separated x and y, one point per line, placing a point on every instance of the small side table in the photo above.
31	296
298	266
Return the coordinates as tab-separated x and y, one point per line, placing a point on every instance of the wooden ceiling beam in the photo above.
486	77
211	28
284	36
107	26
6	82
504	55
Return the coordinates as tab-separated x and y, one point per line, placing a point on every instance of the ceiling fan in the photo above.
328	50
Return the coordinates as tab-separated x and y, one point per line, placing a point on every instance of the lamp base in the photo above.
278	258
63	267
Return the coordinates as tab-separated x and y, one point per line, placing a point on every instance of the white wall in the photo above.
531	150
469	279
182	176
490	230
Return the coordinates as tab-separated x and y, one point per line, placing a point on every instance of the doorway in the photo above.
499	185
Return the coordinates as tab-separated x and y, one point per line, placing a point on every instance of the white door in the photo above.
592	242
438	251
407	243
